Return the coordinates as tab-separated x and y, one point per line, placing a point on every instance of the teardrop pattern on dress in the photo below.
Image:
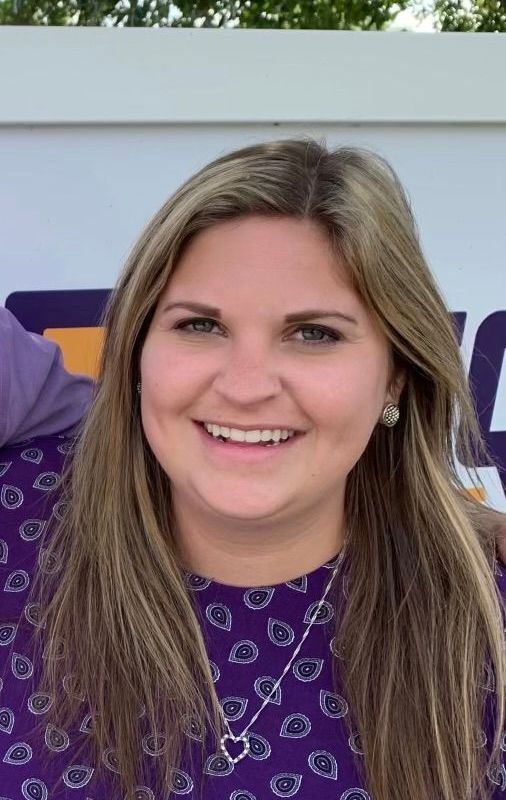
286	784
17	581
21	666
56	739
31	529
6	720
182	783
32	612
264	686
219	615
46	481
110	759
281	633
243	652
498	777
33	454
77	776
325	613
7	633
307	669
153	745
39	703
11	497
218	765
323	763
333	705
260	748
18	753
258	598
295	726
4	551
34	789
143	793
234	707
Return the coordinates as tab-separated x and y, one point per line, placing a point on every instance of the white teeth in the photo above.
237	435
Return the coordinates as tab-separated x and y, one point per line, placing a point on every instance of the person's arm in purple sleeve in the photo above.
38	397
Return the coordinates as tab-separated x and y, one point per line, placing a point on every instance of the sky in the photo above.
407	20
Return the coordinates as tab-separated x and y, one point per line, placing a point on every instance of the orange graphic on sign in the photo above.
81	348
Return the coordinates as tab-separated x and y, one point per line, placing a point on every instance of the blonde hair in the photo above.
422	620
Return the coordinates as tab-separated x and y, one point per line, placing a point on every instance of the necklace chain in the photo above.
242	736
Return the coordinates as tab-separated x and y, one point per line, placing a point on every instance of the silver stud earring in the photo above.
138	387
390	415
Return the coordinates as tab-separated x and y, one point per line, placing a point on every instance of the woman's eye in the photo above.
328	336
184	325
324	336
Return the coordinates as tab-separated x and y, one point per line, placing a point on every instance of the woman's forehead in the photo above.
241	262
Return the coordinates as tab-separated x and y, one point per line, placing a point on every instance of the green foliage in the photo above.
451	15
479	15
306	14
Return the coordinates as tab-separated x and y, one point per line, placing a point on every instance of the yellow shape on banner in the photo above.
81	348
478	494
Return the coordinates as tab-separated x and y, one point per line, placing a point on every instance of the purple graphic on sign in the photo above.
72	308
484	376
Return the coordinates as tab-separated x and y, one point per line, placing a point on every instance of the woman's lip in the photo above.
243	451
264	427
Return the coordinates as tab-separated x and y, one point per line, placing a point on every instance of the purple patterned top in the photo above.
299	745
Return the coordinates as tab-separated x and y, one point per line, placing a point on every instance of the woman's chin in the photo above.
250	507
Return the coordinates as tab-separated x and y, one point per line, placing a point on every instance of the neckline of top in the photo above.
194	580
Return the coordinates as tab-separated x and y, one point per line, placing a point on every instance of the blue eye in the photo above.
184	325
328	335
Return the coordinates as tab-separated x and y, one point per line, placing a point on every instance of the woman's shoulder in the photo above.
30	474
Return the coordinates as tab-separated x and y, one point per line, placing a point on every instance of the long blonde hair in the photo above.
422	627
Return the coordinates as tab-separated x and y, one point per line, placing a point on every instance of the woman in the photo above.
262	576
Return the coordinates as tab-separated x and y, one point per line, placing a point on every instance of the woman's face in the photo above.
244	365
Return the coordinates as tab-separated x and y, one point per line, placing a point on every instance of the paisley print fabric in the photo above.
298	747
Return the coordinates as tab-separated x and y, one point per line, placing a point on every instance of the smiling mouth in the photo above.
226	440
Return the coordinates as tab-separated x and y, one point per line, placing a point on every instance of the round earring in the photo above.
390	415
138	387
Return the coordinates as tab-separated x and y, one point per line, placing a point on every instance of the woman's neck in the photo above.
247	556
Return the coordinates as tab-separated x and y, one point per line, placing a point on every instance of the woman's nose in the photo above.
249	375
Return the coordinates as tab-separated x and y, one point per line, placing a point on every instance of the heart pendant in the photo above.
243	739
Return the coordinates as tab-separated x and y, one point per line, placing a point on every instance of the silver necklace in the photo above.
243	736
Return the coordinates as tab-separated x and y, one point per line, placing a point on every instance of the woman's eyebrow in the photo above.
297	316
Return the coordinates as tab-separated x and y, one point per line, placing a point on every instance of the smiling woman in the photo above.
254	370
262	573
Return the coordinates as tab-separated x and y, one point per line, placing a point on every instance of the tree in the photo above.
450	15
479	15
308	14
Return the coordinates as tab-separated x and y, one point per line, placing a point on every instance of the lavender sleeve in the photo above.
38	397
